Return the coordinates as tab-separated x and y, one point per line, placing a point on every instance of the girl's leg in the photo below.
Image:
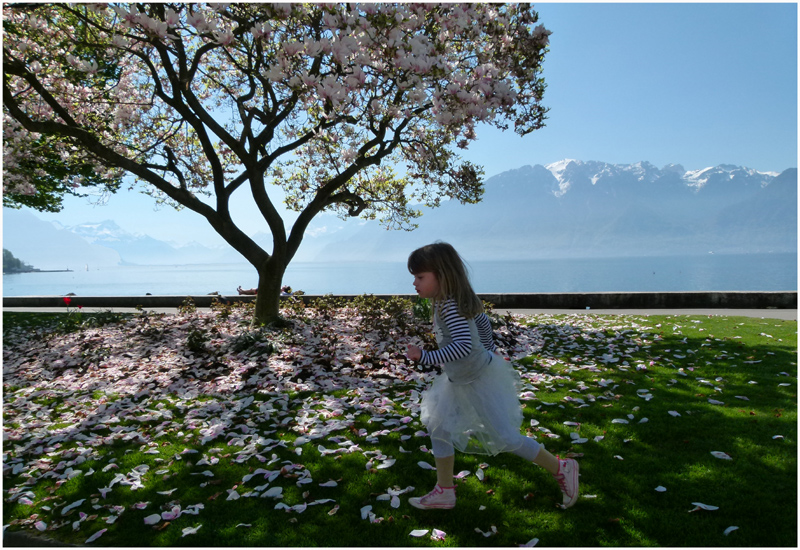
444	470
444	455
564	471
535	452
443	495
546	460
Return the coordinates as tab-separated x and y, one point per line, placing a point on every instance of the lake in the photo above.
711	272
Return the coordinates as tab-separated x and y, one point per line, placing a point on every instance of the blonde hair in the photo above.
442	260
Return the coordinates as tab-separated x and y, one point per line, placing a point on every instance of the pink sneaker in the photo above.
567	478
442	498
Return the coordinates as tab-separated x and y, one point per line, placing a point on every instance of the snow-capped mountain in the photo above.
568	170
141	248
46	246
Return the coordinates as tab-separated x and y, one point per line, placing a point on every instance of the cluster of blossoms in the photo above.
55	79
405	79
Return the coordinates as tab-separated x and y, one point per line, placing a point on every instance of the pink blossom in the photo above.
388	78
224	38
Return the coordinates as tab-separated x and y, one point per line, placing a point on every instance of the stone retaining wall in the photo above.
558	300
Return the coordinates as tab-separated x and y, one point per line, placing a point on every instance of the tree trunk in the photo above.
270	277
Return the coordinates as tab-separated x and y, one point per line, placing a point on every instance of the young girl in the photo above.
473	405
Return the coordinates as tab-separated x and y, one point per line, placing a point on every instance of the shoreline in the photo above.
38	271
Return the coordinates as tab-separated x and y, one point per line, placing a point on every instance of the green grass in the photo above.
682	362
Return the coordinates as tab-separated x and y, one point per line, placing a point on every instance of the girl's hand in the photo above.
414	353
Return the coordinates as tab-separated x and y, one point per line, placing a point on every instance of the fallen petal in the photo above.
720	454
172	514
701	506
419	532
661	488
98	535
425	466
190	530
674	413
273	492
365	511
729	530
438	535
71	506
530	544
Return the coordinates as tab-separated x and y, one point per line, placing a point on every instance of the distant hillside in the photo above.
12	264
47	247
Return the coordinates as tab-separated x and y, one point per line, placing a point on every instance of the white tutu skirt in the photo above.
481	417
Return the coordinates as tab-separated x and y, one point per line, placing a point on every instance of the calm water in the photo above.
695	273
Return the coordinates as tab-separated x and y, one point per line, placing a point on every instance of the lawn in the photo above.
197	429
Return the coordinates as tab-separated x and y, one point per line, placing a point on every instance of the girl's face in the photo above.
426	284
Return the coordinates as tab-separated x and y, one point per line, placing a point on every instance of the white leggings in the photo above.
525	447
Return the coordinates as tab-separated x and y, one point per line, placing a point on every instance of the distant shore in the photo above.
15	271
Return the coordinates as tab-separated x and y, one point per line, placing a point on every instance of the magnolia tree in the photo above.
357	109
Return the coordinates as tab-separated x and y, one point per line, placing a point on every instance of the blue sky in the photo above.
692	84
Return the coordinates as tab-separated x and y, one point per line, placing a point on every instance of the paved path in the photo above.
18	539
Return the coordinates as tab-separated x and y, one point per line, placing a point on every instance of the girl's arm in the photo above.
485	331
459	332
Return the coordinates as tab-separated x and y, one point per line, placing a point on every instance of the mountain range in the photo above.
570	208
588	209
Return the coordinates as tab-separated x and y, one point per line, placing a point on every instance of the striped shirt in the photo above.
458	327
